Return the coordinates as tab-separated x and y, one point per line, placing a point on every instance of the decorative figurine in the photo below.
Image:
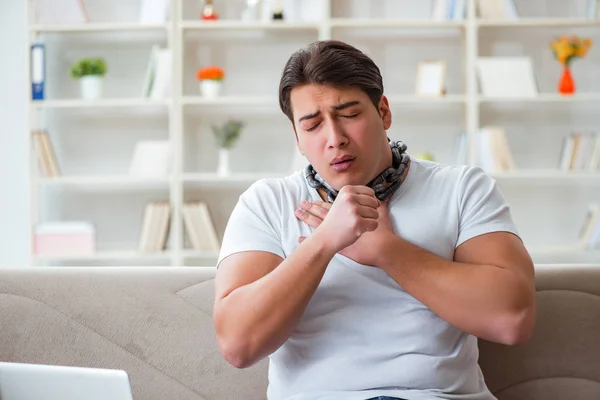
208	11
278	10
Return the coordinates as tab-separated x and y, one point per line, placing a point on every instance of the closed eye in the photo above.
350	116
312	128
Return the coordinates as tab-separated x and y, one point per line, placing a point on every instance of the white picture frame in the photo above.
431	78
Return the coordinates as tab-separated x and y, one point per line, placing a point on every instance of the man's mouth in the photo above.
342	164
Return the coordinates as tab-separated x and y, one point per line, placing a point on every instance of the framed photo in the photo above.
431	78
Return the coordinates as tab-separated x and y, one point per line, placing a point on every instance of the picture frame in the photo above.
431	78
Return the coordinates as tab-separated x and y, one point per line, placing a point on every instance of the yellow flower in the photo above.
567	48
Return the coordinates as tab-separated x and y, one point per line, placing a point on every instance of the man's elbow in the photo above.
236	352
517	328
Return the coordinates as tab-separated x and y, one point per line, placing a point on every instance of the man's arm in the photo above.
487	291
260	298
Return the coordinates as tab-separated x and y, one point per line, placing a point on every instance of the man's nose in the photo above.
337	136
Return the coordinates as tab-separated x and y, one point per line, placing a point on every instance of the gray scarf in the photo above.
384	185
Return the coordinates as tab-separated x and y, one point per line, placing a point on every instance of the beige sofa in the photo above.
156	324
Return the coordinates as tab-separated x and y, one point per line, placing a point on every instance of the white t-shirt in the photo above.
361	334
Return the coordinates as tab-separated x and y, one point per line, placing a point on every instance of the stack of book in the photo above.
200	227
45	155
581	152
155	227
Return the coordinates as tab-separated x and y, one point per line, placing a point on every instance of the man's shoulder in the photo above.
276	188
452	174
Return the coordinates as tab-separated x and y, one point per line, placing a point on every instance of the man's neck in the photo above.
323	193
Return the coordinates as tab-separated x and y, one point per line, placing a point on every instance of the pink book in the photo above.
65	238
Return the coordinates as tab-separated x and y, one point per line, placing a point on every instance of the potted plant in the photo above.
211	79
90	72
226	136
566	49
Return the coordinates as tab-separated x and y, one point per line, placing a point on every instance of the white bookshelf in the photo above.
94	139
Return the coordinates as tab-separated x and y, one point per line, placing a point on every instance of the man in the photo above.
370	273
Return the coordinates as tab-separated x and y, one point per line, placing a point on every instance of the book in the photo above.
151	159
494	151
199	227
580	151
506	77
155	227
45	155
153	11
60	12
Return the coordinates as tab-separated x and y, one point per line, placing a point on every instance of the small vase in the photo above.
223	168
210	88
91	87
566	85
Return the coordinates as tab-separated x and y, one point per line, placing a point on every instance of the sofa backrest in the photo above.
562	358
156	323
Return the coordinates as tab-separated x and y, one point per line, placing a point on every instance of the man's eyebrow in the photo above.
345	105
309	116
336	108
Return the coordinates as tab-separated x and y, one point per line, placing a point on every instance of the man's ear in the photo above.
385	112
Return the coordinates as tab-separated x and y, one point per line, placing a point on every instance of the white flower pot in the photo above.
92	87
210	88
223	168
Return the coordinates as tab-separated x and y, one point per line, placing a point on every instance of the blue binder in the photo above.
38	71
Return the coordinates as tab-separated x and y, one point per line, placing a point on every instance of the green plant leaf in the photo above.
227	134
88	66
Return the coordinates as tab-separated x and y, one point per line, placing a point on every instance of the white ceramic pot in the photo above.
210	88
223	168
92	87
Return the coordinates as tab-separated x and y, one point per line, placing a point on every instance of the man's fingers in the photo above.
367	212
317	208
360	189
308	218
368	201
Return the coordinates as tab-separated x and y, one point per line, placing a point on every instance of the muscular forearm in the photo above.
256	319
487	301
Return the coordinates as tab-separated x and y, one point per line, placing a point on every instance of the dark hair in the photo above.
330	62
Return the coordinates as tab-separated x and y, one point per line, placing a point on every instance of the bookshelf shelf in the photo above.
239	179
97	27
231	101
106	256
192	254
266	101
102	103
353	23
235	25
105	182
540	23
564	254
397	36
412	99
544	98
553	176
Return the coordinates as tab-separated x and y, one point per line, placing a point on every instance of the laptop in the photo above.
20	381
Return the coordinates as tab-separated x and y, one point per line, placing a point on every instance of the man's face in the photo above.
341	133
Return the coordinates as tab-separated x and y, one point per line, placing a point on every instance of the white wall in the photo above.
14	197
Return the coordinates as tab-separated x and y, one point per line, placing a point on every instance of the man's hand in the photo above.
363	251
353	214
